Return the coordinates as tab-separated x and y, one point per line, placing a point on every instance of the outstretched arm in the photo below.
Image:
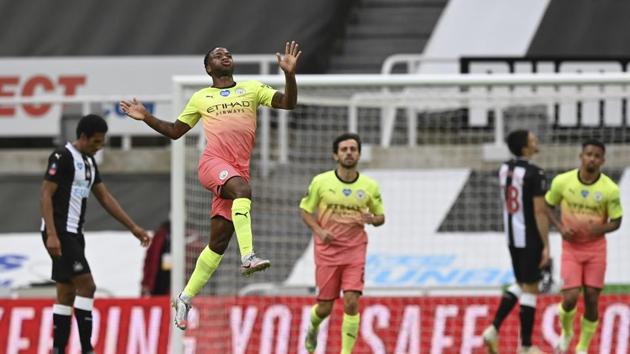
114	209
287	63
136	110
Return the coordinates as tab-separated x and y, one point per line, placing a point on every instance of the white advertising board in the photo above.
115	257
71	76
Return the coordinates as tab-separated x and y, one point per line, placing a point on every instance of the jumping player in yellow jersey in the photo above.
344	201
228	112
590	208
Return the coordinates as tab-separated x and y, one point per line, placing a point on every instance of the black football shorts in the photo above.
72	261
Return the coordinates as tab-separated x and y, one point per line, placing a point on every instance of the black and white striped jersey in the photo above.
521	181
75	174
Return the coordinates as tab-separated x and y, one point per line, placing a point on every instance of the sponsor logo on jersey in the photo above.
225	93
584	193
77	266
347	192
230	107
79	165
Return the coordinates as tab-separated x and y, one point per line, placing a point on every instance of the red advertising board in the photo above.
119	326
277	325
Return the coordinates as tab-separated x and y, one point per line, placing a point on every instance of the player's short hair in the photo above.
594	142
90	125
346	136
207	58
516	141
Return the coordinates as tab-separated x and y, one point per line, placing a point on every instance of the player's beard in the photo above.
223	72
349	165
591	168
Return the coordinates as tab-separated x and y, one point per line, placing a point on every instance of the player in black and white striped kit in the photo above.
523	186
70	177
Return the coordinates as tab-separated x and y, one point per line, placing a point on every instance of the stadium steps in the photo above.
379	28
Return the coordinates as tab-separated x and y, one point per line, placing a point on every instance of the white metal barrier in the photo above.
412	62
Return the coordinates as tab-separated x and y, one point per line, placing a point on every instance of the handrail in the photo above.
411	60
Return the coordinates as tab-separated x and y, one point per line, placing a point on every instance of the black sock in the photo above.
83	313
507	304
62	317
84	320
527	316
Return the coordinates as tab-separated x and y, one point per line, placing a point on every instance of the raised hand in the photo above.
134	109
288	61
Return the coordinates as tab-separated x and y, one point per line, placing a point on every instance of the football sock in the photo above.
527	315
566	320
241	208
508	301
83	313
207	263
587	329
62	316
315	320
349	332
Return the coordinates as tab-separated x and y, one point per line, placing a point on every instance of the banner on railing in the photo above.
278	325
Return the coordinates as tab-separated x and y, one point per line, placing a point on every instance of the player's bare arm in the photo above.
311	222
287	63
111	205
371	219
542	221
601	229
52	241
136	110
566	232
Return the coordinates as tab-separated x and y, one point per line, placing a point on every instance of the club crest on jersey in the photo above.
77	267
347	192
360	194
239	91
79	165
598	196
223	174
584	193
52	170
225	93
